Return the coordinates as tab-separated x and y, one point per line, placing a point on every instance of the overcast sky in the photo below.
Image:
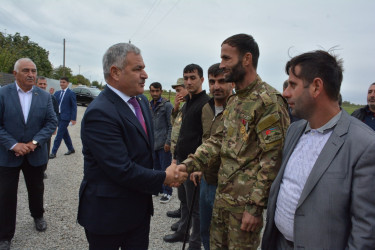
174	33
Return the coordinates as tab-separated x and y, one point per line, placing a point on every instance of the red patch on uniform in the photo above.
243	122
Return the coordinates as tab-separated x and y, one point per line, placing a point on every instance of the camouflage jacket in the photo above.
176	120
249	142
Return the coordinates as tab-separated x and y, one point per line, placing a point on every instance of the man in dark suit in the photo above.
115	203
27	121
323	196
67	115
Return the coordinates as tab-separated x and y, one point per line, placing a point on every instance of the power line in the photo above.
165	15
147	17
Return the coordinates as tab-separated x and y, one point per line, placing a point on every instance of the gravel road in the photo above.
61	201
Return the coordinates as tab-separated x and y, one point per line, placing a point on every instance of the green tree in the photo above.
60	72
14	47
80	79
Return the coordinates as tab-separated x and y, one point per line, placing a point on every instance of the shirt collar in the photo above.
326	127
368	111
19	89
123	96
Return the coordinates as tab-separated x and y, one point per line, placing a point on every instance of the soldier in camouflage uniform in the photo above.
249	142
176	120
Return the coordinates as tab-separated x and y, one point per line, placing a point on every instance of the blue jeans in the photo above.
162	161
206	204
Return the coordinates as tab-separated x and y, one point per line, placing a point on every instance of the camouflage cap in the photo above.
180	82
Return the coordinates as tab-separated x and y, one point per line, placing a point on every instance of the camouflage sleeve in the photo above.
206	151
176	125
271	130
169	109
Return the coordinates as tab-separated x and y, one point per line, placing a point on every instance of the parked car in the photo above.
85	95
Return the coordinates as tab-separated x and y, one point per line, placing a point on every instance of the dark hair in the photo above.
372	84
320	64
244	43
156	85
41	78
65	78
194	67
215	70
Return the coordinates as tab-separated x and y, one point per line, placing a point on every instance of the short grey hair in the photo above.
17	63
116	56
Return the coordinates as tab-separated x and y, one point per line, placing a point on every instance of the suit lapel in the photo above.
16	100
34	100
327	155
125	111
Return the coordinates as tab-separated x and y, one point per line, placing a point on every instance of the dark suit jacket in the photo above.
336	209
68	105
115	194
40	125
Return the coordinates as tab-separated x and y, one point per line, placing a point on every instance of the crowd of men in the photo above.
231	155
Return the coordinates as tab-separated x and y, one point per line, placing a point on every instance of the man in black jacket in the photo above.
367	113
190	138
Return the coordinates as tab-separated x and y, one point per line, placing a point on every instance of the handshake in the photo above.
175	175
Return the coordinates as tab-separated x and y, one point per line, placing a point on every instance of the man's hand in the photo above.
31	146
193	179
174	177
250	223
167	148
21	149
177	100
73	122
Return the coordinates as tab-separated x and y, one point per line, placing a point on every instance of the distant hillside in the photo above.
350	107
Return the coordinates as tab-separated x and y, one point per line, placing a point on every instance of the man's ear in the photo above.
247	59
317	87
115	72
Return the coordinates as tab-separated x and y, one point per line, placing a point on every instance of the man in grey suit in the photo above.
323	196
27	121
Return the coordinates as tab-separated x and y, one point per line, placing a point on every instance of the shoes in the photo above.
174	214
45	176
40	224
175	237
4	245
70	152
165	198
174	226
51	156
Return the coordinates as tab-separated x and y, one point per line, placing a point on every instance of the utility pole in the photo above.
64	59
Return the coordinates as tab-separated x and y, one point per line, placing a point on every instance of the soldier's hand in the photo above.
174	177
250	223
193	177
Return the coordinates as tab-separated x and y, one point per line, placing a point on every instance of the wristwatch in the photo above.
35	143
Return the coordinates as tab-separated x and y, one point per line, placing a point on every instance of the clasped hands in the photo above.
21	149
175	175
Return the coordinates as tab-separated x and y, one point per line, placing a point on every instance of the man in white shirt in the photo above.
27	121
323	196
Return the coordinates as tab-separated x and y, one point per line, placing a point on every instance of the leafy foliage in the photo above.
14	47
61	71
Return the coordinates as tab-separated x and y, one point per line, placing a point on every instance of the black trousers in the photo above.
137	238
9	177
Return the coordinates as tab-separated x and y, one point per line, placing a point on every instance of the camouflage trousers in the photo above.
226	233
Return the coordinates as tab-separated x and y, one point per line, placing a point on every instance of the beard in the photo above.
237	73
